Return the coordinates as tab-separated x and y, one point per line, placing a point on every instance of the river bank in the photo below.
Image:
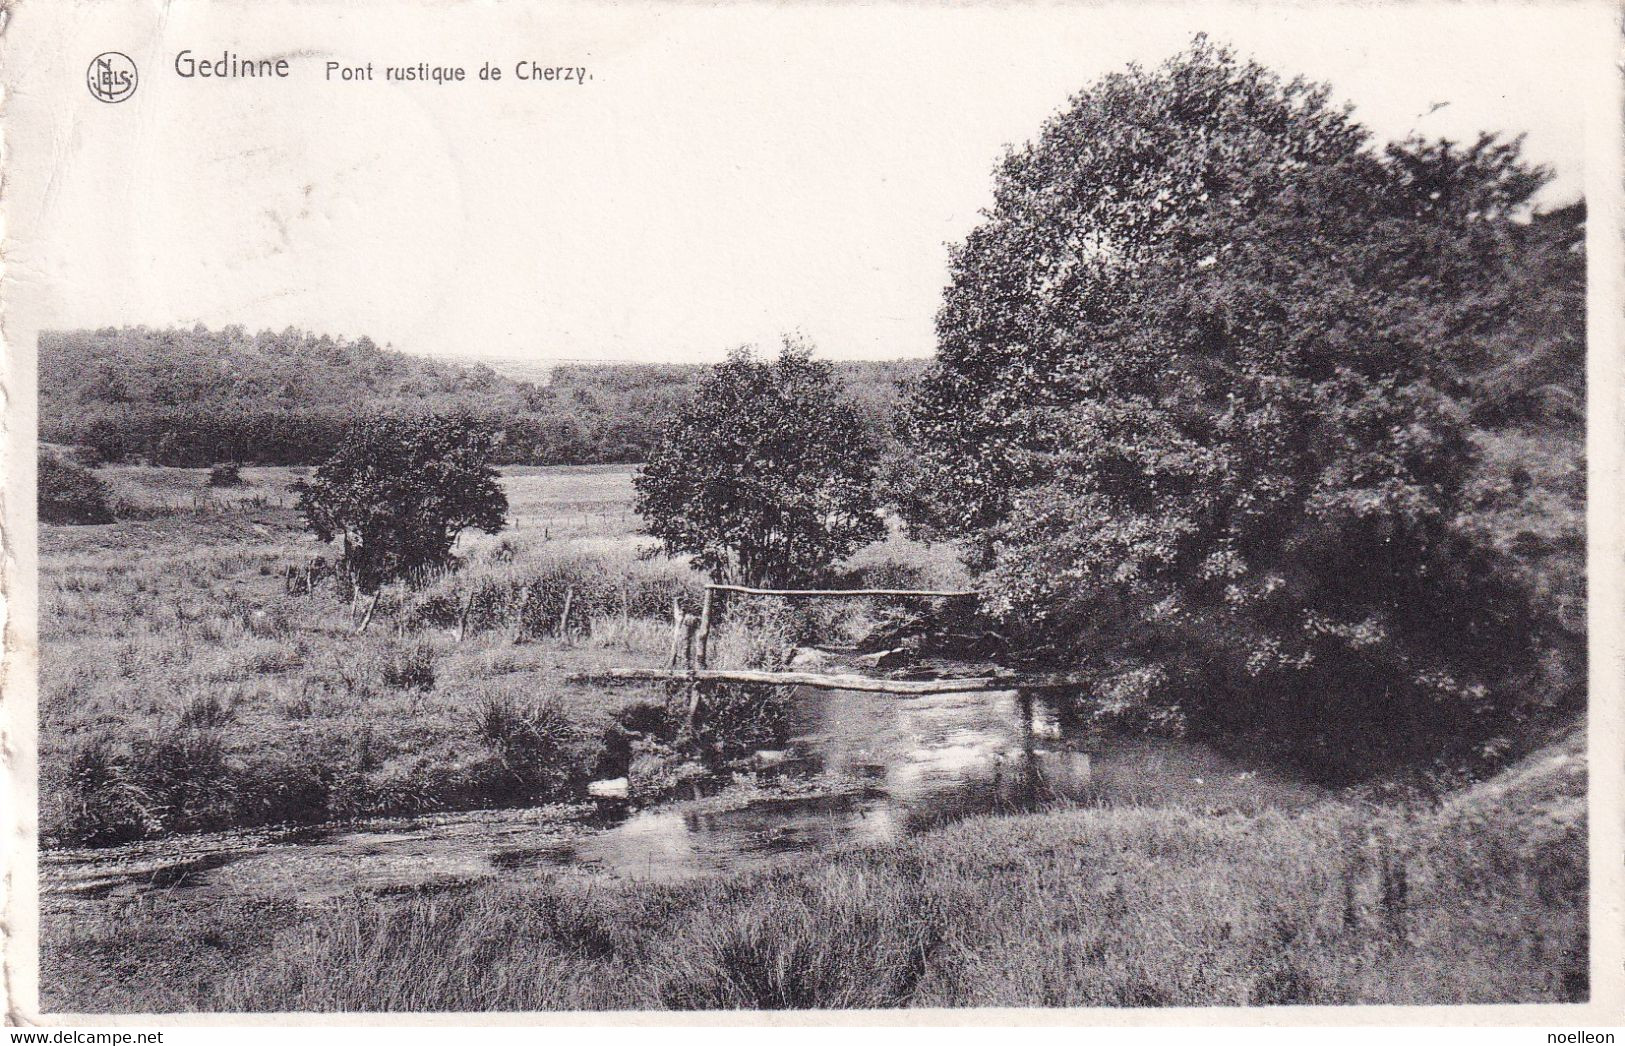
1480	900
852	768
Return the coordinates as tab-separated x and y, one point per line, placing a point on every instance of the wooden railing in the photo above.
828	593
702	638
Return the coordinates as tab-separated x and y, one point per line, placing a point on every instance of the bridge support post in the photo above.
693	707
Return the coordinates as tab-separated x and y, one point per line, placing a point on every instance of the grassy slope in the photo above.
1481	900
175	633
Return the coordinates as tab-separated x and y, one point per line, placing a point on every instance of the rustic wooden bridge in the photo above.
834	681
696	670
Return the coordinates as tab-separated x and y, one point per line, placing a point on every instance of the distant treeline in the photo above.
195	397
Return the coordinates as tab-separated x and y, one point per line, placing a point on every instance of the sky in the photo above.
729	173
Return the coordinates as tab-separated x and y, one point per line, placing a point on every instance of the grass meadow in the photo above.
185	688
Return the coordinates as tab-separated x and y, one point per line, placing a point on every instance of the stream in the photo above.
857	768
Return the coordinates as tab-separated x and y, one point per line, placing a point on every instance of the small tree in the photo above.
766	476
398	493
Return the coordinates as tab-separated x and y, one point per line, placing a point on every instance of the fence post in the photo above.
703	640
692	722
626	614
564	618
519	606
462	616
366	618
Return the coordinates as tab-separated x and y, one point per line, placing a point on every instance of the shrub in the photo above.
409	668
736	719
656	770
71	494
638	726
229	474
399	491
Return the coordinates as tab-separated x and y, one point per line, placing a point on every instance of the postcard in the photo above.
822	513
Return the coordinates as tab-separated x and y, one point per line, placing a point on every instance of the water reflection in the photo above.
887	765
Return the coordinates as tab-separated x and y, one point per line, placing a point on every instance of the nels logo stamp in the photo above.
111	77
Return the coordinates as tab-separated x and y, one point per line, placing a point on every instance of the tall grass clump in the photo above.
409	668
534	750
205	712
764	633
847	939
173	780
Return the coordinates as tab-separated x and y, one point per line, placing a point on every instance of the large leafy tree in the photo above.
398	492
767	475
1198	409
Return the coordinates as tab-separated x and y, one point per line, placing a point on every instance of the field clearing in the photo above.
591	500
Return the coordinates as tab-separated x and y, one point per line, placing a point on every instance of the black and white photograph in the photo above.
563	508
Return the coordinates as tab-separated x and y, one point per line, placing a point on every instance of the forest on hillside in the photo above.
198	397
